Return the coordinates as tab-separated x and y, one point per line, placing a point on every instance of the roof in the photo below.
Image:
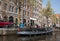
57	15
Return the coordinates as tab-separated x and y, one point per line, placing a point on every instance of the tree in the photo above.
47	11
54	18
32	3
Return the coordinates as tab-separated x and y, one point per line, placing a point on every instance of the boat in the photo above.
36	31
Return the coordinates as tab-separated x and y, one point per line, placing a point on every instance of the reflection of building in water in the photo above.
1	38
34	38
9	38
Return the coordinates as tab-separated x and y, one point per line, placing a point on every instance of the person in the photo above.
54	25
37	26
43	25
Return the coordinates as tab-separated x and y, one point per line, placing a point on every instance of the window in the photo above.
12	9
28	14
28	7
16	10
5	6
17	2
12	1
25	12
24	3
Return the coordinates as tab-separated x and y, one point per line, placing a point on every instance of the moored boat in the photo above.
35	31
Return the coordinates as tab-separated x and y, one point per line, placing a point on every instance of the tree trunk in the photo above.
47	22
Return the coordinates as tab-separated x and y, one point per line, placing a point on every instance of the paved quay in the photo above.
8	28
8	31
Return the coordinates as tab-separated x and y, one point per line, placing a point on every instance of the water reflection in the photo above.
8	38
34	38
54	37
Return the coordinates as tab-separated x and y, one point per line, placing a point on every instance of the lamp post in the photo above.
19	9
20	16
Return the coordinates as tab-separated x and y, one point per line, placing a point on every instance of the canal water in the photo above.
54	37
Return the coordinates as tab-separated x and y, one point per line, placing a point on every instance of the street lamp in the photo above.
20	17
19	9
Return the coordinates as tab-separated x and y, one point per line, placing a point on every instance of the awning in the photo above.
33	18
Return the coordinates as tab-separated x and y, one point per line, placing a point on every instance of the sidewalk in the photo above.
8	28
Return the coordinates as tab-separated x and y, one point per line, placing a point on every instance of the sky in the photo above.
55	4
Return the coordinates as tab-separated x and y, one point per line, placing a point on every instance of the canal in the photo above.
54	37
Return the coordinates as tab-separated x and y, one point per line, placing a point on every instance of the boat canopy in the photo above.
33	18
